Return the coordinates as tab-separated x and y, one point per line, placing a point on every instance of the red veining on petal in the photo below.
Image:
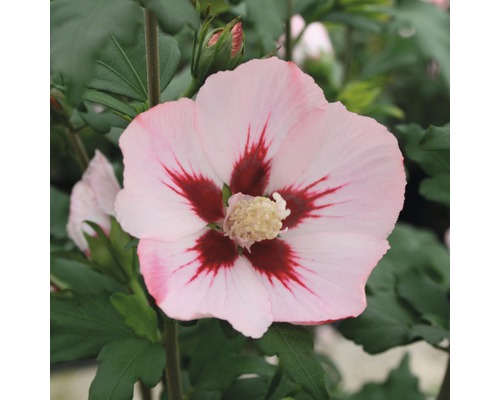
215	251
302	202
205	197
275	259
251	172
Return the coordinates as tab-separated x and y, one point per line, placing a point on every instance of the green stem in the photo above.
172	369
444	392
81	154
152	57
193	88
288	33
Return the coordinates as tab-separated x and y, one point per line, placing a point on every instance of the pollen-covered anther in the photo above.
253	219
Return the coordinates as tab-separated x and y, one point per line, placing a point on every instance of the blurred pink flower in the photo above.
92	199
316	190
442	4
314	42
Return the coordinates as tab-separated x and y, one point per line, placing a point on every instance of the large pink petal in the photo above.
169	188
244	115
321	276
201	276
340	172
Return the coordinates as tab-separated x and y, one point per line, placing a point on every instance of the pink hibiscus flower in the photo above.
314	42
92	199
316	190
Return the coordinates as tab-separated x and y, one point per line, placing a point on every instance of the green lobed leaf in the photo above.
436	163
294	347
111	102
395	314
102	122
247	389
431	334
385	323
428	297
436	138
436	189
410	247
79	28
173	15
124	362
401	384
137	315
121	69
432	162
78	276
82	324
213	348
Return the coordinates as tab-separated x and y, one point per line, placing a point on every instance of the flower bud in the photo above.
218	50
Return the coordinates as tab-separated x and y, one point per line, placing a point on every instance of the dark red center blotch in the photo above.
205	197
275	259
215	251
302	202
251	171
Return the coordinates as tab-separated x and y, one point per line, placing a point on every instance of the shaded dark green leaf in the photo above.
268	18
102	122
436	138
432	31
401	384
79	277
78	29
294	347
59	211
431	334
385	323
436	163
173	15
81	325
428	297
410	247
432	162
436	189
124	362
247	389
202	373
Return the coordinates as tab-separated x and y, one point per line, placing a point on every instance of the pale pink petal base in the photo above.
332	272
164	166
233	294
351	169
256	104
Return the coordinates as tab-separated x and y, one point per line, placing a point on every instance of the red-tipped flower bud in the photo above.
218	50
